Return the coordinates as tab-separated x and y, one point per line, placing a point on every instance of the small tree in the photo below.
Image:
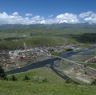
40	79
13	78
94	82
26	77
2	73
45	80
68	81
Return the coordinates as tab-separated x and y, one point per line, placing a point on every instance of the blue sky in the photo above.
43	9
47	7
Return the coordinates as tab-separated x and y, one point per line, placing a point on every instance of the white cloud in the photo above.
89	17
38	19
3	18
15	14
16	18
67	18
28	14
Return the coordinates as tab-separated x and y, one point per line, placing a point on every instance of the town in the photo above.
12	59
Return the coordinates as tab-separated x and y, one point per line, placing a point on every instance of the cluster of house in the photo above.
22	56
26	55
13	57
4	56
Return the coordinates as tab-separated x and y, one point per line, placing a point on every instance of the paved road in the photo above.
33	66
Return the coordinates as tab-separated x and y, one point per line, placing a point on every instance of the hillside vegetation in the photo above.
53	86
13	36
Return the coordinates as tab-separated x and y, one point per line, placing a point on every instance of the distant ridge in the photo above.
83	25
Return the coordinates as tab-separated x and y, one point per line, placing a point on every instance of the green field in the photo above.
13	37
54	85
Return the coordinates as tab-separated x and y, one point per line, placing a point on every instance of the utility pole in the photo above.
25	47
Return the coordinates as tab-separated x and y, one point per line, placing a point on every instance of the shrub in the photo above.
2	73
13	78
68	81
94	82
39	79
44	80
26	77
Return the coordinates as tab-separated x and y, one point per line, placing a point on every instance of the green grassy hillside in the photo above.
54	85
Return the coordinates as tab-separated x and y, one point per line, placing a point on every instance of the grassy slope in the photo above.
54	86
42	35
34	37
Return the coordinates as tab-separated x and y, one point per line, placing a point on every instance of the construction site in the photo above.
77	67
